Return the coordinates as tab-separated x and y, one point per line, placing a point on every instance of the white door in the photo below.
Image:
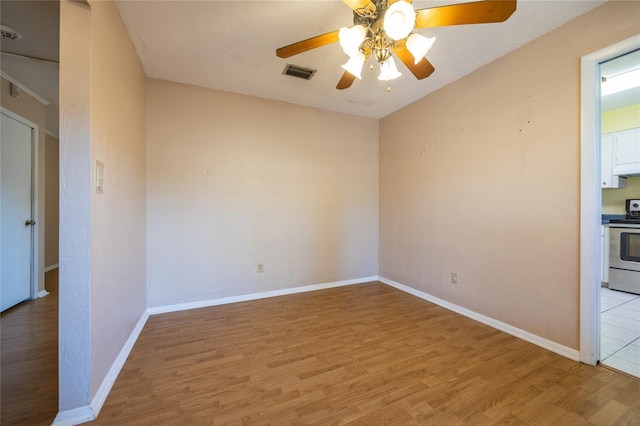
15	210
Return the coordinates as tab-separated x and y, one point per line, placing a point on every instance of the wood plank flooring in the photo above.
29	359
360	355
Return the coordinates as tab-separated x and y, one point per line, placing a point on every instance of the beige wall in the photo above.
31	109
118	234
482	178
51	175
235	180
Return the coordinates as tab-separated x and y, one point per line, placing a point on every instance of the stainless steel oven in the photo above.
624	250
624	256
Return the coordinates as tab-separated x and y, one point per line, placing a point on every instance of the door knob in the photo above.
30	222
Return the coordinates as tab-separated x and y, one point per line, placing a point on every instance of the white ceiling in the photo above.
39	24
230	45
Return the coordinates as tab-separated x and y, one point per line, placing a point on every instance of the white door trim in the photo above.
34	197
591	196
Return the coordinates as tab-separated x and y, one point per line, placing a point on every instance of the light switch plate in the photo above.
99	177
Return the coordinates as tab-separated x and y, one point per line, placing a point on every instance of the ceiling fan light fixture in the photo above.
354	65
383	27
351	39
388	70
399	20
419	46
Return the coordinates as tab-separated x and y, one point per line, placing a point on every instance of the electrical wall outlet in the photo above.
454	278
260	268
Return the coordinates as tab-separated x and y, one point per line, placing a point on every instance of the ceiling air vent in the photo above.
300	72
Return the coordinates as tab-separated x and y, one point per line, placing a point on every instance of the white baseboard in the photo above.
491	322
90	412
52	267
103	391
74	417
255	296
42	293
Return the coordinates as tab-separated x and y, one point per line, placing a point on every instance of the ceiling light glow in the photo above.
620	82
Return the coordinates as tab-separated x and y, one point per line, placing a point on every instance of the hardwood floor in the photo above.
362	355
29	359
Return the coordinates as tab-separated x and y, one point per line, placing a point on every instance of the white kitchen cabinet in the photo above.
627	152
607	162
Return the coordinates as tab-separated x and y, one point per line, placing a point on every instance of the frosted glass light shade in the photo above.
388	70
354	65
351	39
399	20
419	46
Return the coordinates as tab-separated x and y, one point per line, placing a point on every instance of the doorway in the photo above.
29	61
620	144
17	217
591	197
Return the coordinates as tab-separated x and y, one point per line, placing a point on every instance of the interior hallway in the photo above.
29	359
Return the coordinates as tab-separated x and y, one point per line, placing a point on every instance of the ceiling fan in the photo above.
383	27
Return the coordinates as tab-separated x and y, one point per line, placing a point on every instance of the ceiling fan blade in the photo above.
422	69
346	81
479	12
308	44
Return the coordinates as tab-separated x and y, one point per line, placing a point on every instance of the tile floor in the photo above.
620	330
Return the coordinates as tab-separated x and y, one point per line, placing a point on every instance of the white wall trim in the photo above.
24	88
104	389
42	293
491	322
74	417
90	412
52	267
255	296
591	197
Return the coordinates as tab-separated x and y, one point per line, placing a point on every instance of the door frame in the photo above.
591	195
34	275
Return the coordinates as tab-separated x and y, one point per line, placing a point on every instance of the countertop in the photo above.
607	217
